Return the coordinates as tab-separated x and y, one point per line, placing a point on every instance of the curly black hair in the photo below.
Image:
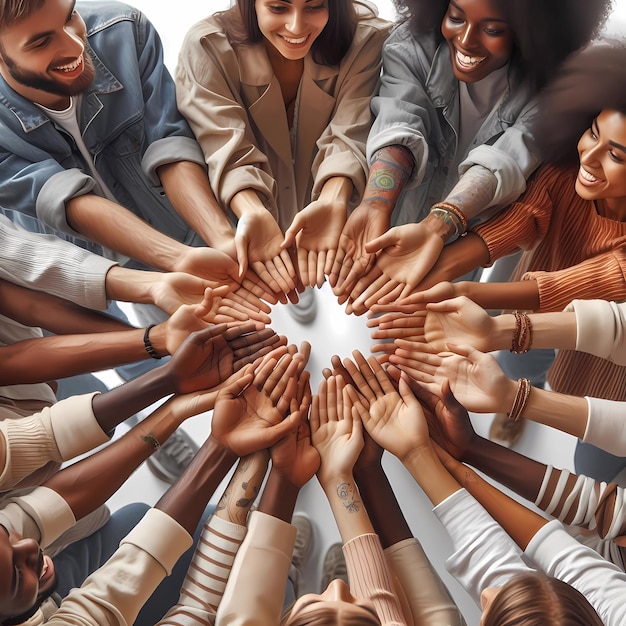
545	31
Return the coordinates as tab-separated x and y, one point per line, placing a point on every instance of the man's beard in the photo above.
42	82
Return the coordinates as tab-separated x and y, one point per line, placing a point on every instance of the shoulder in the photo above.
106	13
368	19
208	34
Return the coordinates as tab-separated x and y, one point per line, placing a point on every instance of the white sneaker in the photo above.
305	310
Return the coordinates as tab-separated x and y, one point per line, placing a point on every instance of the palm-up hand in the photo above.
254	412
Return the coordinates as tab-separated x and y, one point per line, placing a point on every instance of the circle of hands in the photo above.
399	399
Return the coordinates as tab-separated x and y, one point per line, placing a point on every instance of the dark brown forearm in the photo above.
279	497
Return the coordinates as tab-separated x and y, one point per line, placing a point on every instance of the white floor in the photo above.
333	332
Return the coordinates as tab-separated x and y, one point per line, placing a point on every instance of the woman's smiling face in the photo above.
479	37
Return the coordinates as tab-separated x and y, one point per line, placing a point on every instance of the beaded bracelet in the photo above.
522	335
521	399
448	216
452	208
148	344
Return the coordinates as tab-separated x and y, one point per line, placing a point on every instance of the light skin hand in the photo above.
336	435
417	300
476	378
252	414
258	240
352	261
392	326
316	230
405	255
212	265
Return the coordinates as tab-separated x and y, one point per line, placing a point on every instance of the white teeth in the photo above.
465	60
295	41
587	175
70	67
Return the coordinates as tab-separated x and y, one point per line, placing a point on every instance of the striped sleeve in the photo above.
370	577
525	222
208	573
601	276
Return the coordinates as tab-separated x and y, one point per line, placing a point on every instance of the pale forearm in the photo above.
474	192
337	190
246	201
187	187
347	506
243	488
549	330
122	231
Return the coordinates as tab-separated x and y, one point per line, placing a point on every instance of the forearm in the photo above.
347	506
456	259
187	187
279	496
90	482
246	201
474	192
186	501
59	316
337	190
48	358
549	330
521	296
520	523
243	488
119	403
511	469
381	503
122	231
389	173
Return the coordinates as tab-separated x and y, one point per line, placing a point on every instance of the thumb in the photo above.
241	247
290	234
383	241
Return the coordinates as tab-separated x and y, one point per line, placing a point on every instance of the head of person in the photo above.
335	606
535	599
43	50
589	82
483	35
294	28
27	576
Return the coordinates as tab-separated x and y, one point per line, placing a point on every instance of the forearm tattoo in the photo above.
474	192
391	169
348	495
243	488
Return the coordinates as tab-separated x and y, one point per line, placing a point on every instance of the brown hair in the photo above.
535	599
12	11
242	27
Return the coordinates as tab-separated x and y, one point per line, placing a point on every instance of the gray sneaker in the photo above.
302	547
173	457
334	566
305	310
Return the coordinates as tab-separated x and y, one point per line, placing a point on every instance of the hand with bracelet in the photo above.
405	256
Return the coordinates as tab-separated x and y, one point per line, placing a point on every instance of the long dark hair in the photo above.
545	31
588	82
242	27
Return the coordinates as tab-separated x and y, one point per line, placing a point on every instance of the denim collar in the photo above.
31	117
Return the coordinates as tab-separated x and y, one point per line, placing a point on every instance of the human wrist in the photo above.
436	223
279	496
502	331
158	338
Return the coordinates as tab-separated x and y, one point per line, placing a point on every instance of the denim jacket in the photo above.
418	107
129	123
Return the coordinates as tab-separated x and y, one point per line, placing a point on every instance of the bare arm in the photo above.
188	189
